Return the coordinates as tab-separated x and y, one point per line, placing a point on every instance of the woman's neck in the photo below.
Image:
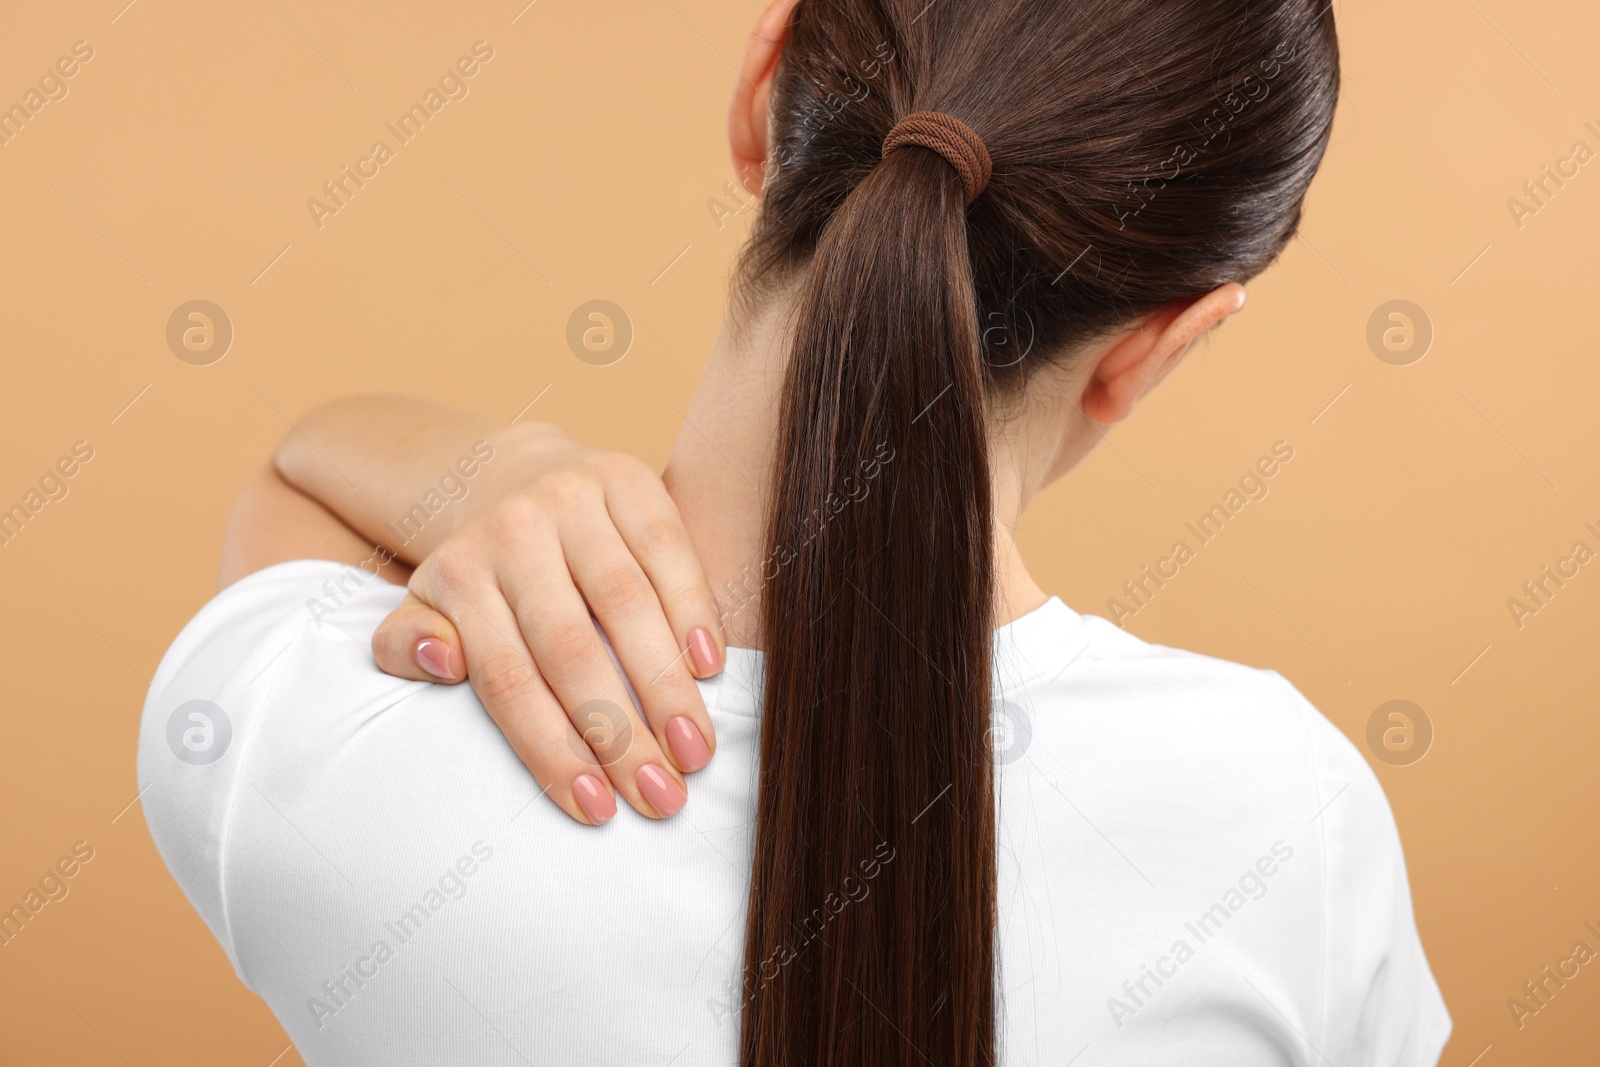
720	474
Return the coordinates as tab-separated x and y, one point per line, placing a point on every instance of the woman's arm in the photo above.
405	473
518	534
273	522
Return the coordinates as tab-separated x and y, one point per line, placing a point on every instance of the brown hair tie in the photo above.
951	138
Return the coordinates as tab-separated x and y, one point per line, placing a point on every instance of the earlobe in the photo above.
1118	379
747	114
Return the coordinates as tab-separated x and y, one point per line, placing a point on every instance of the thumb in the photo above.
417	642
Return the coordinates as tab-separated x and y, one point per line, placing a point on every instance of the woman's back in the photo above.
1194	866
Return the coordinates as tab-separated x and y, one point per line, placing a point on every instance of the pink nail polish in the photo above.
660	791
704	652
595	800
433	656
688	747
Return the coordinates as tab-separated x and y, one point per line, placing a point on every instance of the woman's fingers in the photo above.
419	643
505	678
648	520
624	599
556	624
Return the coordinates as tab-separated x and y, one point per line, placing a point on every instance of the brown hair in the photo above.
1144	152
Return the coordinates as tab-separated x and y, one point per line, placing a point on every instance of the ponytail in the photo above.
870	936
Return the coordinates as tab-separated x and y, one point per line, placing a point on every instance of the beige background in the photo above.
580	166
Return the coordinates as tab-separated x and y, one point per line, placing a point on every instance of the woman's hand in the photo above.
517	533
506	603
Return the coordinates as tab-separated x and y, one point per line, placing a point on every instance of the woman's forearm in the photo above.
405	473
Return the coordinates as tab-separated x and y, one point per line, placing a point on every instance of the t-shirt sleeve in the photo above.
1382	1007
207	700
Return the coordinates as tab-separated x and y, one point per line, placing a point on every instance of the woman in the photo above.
988	227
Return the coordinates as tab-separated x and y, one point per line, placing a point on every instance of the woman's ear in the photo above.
747	115
1137	361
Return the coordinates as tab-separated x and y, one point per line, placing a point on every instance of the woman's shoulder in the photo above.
1247	729
215	688
1195	767
1216	697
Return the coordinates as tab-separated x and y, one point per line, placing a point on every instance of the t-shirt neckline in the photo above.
1036	646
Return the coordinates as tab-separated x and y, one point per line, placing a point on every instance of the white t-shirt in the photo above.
1196	868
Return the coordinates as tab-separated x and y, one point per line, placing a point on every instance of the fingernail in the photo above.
660	790
688	747
704	652
433	656
594	798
